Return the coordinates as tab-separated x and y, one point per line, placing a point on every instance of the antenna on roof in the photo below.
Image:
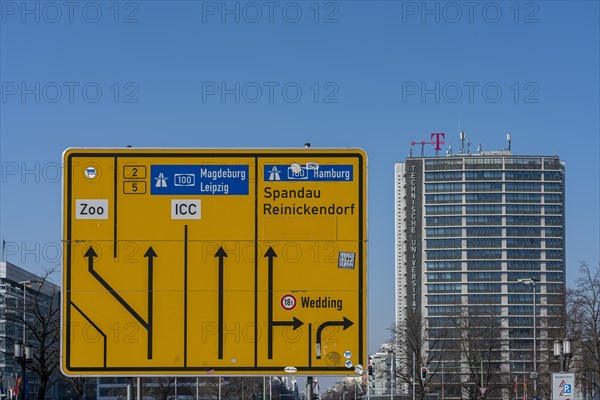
462	142
508	140
480	148
449	151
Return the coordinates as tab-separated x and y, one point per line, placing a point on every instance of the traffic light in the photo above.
424	373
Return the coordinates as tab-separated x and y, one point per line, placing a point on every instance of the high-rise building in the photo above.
480	256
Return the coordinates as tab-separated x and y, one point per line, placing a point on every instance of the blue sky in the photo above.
374	75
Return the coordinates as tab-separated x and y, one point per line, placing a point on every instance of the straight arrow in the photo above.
221	254
346	323
150	253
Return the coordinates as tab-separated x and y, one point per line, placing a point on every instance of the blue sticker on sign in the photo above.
310	171
199	179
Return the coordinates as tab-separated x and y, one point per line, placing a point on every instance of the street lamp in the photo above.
562	350
532	282
23	351
24	355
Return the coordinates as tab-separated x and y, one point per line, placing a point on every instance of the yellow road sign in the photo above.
214	261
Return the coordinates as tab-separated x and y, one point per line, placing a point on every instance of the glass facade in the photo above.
487	221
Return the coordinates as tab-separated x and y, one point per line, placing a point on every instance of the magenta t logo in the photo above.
437	141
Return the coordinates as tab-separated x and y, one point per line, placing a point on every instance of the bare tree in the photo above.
41	321
583	316
414	349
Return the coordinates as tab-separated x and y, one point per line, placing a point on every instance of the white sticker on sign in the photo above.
91	209
185	209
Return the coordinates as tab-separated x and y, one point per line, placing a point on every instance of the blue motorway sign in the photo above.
199	179
311	171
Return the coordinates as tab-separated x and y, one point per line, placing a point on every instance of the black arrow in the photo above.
221	254
150	253
90	254
296	323
346	323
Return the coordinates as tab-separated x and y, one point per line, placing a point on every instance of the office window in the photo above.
484	220
440	164
484	243
552	198
522	220
515	276
521	310
443	310
443	187
519	265
555	288
443	210
524	231
483	186
444	243
523	209
553	221
443	276
443	232
554	243
484	198
484	231
554	255
483	163
521	321
444	287
553	187
484	254
444	299
551	163
484	209
554	266
553	232
552	176
553	209
523	198
491	265
523	163
484	276
443	176
522	243
443	198
443	221
520	299
483	175
522	254
444	254
555	277
522	175
484	299
444	266
484	287
524	186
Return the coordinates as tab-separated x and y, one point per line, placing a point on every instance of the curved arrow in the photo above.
221	254
346	323
296	323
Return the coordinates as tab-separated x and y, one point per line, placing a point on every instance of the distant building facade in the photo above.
471	231
17	286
